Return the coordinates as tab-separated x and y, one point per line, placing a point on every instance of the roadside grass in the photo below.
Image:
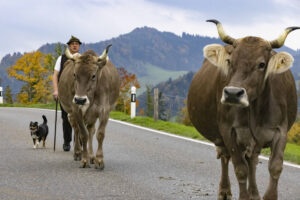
291	153
43	106
155	75
170	127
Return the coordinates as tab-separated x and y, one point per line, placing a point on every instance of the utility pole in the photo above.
155	104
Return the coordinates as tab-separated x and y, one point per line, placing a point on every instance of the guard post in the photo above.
133	102
1	95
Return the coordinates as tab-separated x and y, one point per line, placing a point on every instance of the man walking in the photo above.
73	45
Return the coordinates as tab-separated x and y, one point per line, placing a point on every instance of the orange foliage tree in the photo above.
127	81
35	70
294	133
183	116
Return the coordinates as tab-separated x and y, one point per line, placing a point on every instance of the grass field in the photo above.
156	75
292	151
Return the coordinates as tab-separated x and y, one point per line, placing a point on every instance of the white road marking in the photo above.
191	140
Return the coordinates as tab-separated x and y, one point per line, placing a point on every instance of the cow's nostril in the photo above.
240	93
80	101
226	92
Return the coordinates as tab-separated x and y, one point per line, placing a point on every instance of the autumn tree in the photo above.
35	70
127	81
8	95
294	133
183	116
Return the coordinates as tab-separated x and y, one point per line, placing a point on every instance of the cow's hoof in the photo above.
99	165
84	164
225	194
77	156
92	160
270	198
255	197
225	197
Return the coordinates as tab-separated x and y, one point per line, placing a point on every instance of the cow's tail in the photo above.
45	119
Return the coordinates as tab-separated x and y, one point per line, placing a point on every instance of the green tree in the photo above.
59	49
35	70
149	102
8	95
162	111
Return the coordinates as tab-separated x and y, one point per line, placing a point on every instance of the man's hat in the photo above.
73	39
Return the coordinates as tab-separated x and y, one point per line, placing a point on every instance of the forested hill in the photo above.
7	61
152	55
148	45
174	93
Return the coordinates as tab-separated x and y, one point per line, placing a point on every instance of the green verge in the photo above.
43	106
291	153
170	127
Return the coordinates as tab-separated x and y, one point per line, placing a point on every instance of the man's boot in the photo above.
66	146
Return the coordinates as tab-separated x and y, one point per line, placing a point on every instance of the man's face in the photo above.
74	47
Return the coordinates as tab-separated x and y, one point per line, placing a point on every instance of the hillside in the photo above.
174	92
154	56
7	61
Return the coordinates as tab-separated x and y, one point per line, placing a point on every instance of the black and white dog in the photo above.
38	132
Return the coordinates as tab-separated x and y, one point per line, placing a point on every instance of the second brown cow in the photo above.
88	89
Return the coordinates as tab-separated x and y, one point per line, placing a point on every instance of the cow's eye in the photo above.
261	65
93	77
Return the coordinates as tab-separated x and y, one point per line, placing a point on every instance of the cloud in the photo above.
26	25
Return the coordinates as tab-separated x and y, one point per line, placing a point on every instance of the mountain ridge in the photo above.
140	48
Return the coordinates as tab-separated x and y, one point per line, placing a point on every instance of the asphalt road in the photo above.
139	164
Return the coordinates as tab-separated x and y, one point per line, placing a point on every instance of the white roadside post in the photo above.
133	101
1	95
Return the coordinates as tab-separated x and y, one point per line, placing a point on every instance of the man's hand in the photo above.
55	95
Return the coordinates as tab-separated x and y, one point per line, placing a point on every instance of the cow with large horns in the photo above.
244	99
88	90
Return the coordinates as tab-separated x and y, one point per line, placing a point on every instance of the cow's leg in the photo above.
91	130
241	171
85	161
224	186
275	166
77	147
252	188
99	162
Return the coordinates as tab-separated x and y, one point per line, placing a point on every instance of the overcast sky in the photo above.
25	25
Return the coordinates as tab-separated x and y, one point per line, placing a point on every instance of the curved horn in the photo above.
104	54
68	54
224	37
281	39
71	56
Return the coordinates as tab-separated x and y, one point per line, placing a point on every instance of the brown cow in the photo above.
244	99
88	89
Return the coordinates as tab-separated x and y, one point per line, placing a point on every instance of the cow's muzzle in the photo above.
235	96
80	100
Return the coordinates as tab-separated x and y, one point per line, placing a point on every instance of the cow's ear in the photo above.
217	55
280	62
102	63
